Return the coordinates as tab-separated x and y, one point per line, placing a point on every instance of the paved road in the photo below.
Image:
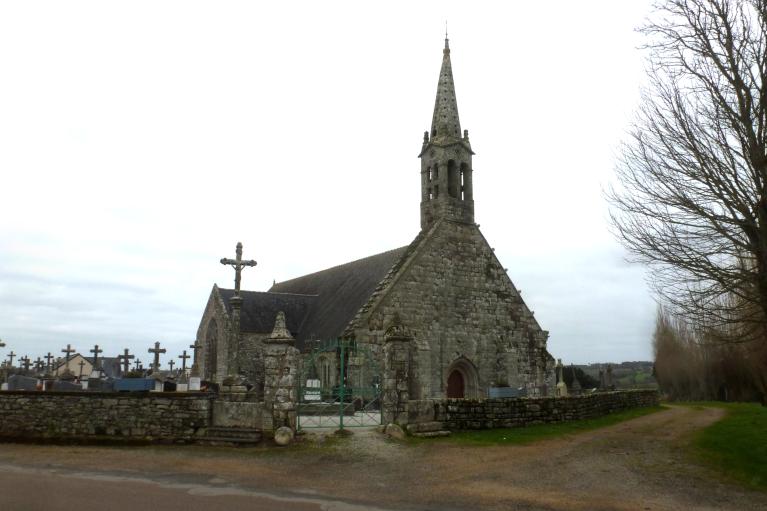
41	489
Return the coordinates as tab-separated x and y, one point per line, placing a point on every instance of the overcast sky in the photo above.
139	141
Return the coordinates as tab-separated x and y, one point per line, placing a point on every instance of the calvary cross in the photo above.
125	357
238	264
157	350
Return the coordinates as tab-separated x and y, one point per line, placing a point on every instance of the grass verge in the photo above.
529	434
736	446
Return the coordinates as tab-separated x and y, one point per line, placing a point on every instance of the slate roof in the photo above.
259	309
318	305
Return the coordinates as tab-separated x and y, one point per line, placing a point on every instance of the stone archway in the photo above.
462	380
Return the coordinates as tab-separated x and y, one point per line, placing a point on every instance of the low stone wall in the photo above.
457	414
164	416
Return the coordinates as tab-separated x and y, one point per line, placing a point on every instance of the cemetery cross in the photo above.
48	364
125	357
183	361
67	352
25	362
170	364
156	351
238	264
81	364
10	357
96	352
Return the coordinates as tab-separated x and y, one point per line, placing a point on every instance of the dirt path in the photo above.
635	465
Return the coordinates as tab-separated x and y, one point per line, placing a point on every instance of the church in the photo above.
472	332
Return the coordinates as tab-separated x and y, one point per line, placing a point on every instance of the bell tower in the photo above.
446	173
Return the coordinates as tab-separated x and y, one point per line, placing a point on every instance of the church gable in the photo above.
453	293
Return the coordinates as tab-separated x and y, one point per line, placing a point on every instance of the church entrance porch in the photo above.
462	380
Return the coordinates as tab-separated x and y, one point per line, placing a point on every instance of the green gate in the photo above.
339	386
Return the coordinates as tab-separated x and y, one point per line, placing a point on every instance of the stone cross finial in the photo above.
280	330
238	264
183	358
126	358
156	351
11	355
67	352
96	352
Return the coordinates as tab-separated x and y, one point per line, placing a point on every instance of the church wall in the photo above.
456	298
214	311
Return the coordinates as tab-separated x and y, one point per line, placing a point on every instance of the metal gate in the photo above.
339	386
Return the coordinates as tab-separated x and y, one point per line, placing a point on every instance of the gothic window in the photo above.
464	168
428	174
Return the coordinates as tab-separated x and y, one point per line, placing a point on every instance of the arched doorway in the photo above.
462	380
211	350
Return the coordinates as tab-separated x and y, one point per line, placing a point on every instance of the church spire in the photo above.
446	172
445	123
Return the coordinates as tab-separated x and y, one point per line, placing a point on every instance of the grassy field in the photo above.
736	446
526	435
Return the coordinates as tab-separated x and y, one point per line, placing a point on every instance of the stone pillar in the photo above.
233	346
395	392
280	373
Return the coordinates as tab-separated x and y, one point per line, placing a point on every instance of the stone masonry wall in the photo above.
78	415
458	414
460	304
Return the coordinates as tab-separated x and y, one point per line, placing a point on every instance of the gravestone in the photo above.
19	382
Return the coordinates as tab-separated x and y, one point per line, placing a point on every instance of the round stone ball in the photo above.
283	436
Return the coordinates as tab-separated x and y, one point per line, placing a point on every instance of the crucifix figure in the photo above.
67	352
156	351
25	362
238	264
183	361
81	364
170	364
10	358
125	357
96	352
48	358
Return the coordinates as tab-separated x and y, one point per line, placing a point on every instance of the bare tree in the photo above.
691	197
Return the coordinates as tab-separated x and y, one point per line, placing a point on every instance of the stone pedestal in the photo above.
280	373
395	392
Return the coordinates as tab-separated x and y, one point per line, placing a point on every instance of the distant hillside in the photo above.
626	375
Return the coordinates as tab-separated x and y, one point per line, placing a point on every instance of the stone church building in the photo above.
471	329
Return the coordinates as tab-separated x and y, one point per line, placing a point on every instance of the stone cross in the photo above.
156	351
81	364
195	368
170	364
96	352
183	361
137	363
10	357
125	357
25	362
67	352
39	364
48	358
238	264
